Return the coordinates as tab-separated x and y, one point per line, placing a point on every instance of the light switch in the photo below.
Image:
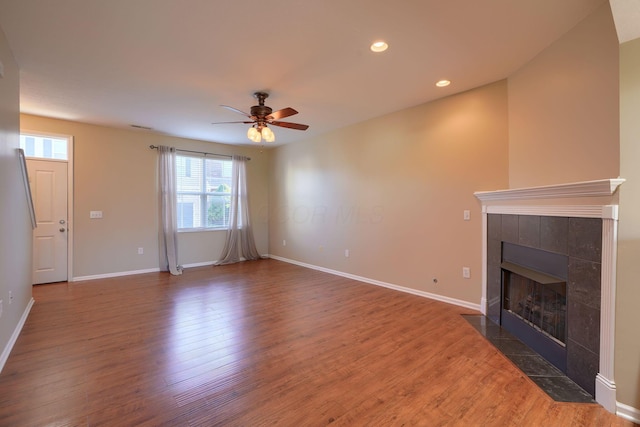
95	214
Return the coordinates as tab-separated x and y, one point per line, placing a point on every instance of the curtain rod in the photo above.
155	147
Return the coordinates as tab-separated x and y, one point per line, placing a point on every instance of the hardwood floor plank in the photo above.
261	343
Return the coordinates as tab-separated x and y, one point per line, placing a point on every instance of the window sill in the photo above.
199	230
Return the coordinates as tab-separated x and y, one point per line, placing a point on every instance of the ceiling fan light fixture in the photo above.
268	135
379	46
253	134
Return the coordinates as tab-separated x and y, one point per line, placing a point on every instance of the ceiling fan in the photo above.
261	116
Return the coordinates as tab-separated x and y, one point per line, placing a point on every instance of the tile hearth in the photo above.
550	379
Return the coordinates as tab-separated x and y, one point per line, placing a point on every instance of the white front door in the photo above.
48	180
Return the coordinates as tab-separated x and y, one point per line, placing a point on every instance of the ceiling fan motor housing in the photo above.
260	111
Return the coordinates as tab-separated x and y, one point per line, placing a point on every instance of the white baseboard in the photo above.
429	295
110	275
206	263
606	393
14	336
628	412
149	270
199	264
131	273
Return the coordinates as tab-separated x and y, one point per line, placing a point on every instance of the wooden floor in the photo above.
260	343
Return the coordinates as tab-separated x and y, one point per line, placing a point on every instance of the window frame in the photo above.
203	195
40	152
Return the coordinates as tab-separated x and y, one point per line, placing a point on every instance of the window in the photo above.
203	192
44	147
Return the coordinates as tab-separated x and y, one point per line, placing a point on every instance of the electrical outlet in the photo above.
466	272
466	215
346	253
140	251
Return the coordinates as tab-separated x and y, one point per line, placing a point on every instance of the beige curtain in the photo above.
240	244
168	238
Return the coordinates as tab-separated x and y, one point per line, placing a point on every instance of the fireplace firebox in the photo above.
534	309
534	300
539	304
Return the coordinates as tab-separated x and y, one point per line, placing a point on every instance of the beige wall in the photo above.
392	191
563	108
115	171
15	222
627	359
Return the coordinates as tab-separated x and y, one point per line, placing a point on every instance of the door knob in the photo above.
62	230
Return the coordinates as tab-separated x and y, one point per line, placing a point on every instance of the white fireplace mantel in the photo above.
605	384
601	187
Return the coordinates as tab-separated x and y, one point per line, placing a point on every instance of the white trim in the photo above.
70	220
606	393
16	333
628	412
198	264
483	298
429	295
110	275
148	270
206	263
601	187
574	211
44	134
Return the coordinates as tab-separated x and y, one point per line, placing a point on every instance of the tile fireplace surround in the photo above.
525	208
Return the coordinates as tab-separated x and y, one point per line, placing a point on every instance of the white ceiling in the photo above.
626	14
169	64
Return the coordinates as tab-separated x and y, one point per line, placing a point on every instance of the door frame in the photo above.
70	222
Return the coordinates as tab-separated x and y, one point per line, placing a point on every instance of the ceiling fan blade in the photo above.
222	123
235	110
281	114
289	125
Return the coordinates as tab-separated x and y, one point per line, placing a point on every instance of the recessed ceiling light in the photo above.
379	46
443	83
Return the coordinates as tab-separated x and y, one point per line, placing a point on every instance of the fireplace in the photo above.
579	221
